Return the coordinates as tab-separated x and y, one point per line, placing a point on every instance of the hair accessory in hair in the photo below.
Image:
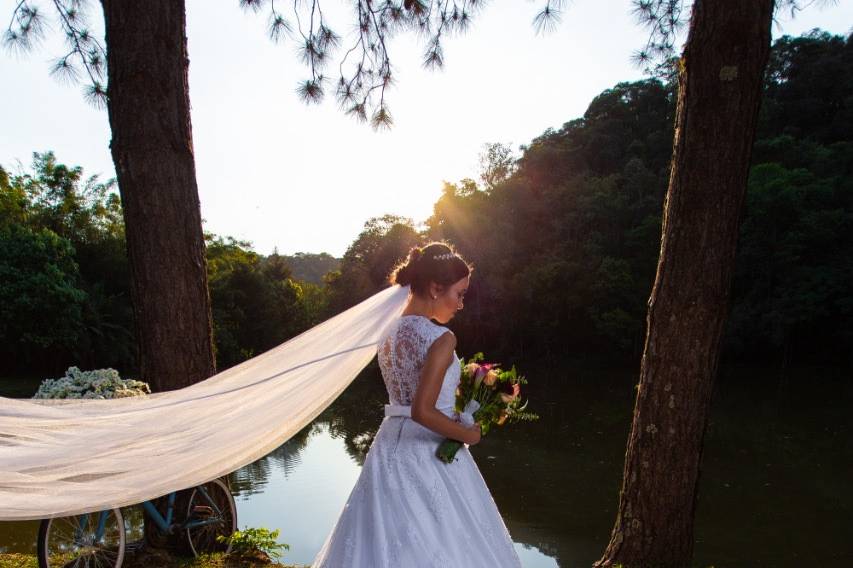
445	256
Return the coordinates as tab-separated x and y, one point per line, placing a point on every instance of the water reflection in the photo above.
304	503
556	481
529	472
253	478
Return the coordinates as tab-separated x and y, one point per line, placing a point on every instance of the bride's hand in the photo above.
475	435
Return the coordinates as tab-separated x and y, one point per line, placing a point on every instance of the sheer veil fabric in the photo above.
407	507
64	457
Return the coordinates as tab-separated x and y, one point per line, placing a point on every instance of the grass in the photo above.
158	558
12	560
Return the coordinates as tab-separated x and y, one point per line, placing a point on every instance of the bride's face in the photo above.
449	299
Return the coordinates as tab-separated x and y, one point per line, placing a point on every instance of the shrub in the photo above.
250	540
100	383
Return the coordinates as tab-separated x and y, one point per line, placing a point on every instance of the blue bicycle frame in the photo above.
84	520
166	526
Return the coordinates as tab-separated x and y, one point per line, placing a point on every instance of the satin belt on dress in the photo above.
398	410
406	412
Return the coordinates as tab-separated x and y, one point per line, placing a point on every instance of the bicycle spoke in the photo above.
93	540
214	506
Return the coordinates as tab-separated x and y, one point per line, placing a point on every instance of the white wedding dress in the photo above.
408	509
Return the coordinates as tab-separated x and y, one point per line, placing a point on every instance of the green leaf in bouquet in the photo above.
522	417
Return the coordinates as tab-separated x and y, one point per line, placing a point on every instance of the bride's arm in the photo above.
424	412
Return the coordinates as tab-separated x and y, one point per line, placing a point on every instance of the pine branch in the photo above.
28	25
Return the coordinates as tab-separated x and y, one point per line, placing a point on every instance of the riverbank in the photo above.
775	453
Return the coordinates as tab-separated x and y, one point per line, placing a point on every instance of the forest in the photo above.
564	237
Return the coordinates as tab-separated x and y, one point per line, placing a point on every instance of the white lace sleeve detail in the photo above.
402	353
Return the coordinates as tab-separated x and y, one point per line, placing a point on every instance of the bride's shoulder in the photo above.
439	334
418	325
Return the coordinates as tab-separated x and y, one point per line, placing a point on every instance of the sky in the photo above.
296	178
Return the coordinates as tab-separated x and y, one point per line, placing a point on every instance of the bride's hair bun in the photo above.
436	262
404	274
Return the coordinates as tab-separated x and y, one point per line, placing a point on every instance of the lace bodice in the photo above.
402	353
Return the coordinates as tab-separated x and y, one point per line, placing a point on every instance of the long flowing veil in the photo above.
64	457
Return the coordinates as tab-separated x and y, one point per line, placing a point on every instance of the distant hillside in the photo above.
311	267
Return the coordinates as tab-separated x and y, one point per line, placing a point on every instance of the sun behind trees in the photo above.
593	190
145	61
595	205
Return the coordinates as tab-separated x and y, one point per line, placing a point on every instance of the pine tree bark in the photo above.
149	112
719	93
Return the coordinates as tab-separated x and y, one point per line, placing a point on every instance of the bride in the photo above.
408	509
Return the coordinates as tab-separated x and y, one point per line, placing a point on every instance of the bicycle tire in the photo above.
57	530
203	539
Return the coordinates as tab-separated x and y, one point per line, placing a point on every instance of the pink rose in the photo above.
490	378
471	368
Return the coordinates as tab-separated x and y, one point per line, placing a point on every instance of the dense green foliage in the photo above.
64	287
364	270
310	267
565	243
795	259
64	280
256	302
564	239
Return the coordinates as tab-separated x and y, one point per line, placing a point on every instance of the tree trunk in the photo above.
152	148
719	93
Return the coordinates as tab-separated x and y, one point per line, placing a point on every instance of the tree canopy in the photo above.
564	239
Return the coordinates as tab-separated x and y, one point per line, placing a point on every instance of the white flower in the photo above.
97	384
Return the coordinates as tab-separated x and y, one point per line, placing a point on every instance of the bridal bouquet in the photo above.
488	395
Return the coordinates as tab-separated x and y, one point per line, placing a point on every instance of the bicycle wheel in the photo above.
91	540
203	521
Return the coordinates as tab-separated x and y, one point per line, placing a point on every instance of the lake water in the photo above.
775	486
